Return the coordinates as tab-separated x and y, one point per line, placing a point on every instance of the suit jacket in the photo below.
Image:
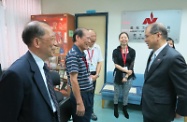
23	94
164	83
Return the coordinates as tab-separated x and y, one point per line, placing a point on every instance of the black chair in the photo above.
64	102
56	81
65	110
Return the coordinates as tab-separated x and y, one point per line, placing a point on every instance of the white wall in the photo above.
115	9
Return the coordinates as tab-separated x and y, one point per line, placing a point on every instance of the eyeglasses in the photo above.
156	32
146	36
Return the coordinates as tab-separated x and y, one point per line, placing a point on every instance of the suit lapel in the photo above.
149	59
155	64
158	60
38	79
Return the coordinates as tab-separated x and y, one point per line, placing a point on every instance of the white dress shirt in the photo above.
93	56
40	64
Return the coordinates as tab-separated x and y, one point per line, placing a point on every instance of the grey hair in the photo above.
158	27
32	29
78	32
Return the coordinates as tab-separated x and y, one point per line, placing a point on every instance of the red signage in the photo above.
150	20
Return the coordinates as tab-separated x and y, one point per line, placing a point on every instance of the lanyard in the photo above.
124	56
90	55
86	63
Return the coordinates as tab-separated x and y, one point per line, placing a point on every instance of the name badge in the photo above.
125	67
90	79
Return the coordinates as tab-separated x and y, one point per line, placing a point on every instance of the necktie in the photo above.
51	90
152	59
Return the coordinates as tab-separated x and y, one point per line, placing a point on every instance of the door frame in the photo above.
106	35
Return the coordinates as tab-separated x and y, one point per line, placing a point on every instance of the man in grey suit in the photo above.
164	94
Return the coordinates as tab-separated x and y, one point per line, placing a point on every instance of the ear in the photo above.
159	34
36	42
77	37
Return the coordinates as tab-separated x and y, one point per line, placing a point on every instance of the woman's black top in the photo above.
117	59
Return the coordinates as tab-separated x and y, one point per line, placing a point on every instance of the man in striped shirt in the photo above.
79	78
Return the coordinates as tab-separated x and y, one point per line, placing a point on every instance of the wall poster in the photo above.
135	22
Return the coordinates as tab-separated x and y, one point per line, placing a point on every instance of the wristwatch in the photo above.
97	75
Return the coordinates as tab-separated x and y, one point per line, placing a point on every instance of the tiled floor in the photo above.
106	114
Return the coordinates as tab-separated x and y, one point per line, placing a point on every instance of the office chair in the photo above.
64	102
56	81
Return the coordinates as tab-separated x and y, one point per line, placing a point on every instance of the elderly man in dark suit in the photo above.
25	91
164	92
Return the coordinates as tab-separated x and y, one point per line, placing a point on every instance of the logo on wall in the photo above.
135	22
150	20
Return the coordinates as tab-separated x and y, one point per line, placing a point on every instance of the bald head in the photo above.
93	37
91	31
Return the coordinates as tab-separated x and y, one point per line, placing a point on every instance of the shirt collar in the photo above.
160	49
94	46
38	60
78	50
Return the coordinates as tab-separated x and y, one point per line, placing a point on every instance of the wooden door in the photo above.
99	23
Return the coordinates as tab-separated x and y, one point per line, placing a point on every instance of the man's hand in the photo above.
80	109
129	72
94	77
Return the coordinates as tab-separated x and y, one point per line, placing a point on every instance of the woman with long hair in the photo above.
123	58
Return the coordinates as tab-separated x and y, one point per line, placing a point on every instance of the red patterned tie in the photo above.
51	90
